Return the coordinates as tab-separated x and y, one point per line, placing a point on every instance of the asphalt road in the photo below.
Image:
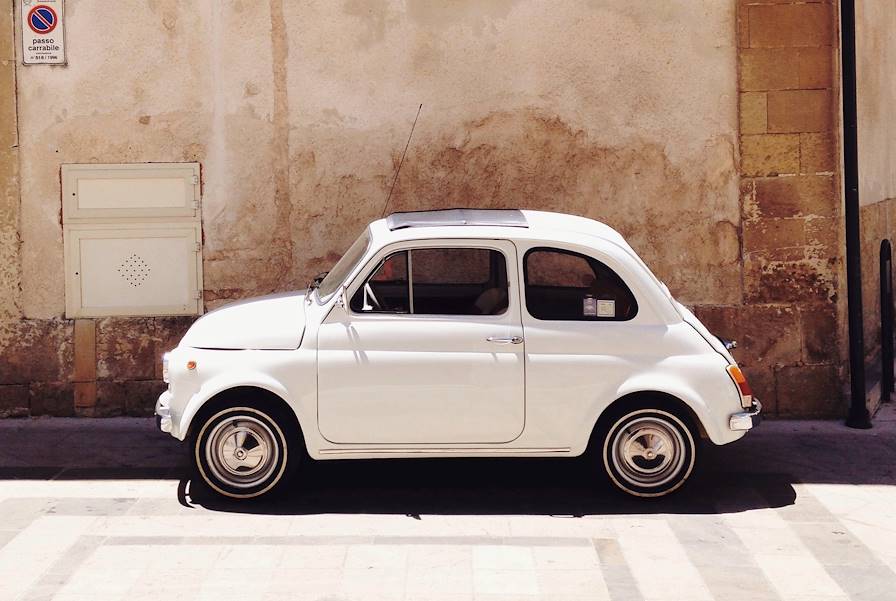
105	509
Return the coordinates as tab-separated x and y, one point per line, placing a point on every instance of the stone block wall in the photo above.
84	367
788	321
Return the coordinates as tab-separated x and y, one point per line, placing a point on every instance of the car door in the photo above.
429	349
586	334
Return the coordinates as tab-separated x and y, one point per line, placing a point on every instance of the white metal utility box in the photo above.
133	239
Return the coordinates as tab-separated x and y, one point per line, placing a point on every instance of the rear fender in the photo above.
645	384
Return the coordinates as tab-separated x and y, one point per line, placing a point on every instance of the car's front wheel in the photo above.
243	452
649	452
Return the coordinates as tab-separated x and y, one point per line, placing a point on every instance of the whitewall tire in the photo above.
243	452
649	452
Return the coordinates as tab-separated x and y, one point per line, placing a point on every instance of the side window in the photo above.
458	281
437	281
386	291
563	285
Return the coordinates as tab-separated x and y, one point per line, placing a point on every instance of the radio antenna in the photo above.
401	162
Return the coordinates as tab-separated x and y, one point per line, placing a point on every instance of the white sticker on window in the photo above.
606	308
589	306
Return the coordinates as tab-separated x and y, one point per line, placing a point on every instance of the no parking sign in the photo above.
42	32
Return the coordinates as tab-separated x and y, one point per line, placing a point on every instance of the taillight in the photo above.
166	375
746	393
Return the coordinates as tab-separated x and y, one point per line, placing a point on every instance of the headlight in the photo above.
165	377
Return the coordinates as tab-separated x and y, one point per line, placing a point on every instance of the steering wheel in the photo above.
371	297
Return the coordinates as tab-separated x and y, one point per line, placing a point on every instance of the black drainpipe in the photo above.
858	416
886	320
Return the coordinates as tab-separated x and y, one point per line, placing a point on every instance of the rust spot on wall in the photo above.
194	152
169	22
168	12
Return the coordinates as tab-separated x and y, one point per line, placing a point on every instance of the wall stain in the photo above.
684	224
471	13
281	243
373	15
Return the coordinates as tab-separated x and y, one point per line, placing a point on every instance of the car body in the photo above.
464	332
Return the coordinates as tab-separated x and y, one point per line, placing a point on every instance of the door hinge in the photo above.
198	247
198	295
197	191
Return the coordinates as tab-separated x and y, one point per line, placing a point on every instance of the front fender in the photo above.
227	381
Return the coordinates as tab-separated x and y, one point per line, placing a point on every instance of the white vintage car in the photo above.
459	333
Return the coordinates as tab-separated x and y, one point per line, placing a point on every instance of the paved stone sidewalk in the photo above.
104	510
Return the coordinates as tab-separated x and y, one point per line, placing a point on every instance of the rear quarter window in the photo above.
562	285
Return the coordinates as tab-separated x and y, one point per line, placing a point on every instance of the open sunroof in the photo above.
445	217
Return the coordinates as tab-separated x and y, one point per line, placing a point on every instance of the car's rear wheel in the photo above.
649	452
243	452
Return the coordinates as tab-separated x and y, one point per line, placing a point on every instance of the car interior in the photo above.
559	284
444	281
563	285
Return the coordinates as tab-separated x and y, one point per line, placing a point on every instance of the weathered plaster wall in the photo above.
877	223
876	64
298	112
10	274
512	116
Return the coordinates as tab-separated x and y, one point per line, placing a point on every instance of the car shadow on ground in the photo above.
764	469
557	487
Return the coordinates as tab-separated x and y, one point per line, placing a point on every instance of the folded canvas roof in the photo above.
500	217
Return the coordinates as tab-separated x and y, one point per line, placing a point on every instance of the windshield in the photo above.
344	266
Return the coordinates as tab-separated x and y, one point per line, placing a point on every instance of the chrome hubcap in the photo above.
242	451
648	452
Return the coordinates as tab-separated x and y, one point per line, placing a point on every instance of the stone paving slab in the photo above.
105	509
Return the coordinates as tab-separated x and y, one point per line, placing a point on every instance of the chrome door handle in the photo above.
505	339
